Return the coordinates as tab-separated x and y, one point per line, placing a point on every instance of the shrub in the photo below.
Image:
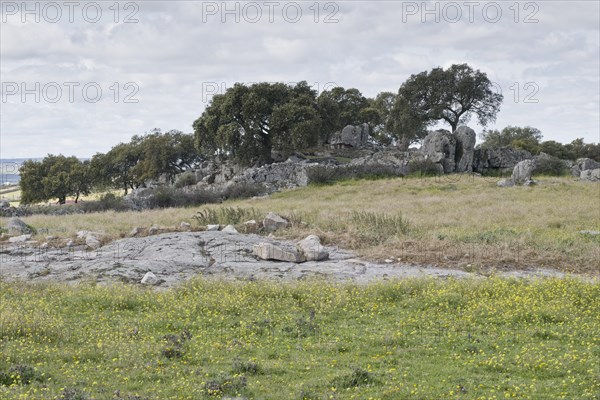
551	166
423	167
107	202
244	367
243	190
375	171
326	175
323	175
73	394
165	197
186	179
20	374
357	377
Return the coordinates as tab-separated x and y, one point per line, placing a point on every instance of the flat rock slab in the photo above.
178	256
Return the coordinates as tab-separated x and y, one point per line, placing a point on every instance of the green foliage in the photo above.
167	197
242	190
357	377
327	175
20	374
145	158
106	202
247	122
550	166
451	95
527	138
423	167
55	177
186	179
340	107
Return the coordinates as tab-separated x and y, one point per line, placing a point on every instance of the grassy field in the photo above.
459	221
415	339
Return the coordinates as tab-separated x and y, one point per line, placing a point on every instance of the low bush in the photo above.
550	166
107	202
186	179
326	175
423	167
165	197
243	191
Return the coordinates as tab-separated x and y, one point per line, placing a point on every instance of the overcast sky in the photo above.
157	63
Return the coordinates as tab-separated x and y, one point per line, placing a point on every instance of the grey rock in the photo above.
440	147
19	239
312	249
498	158
230	229
149	279
273	222
153	230
523	171
592	175
593	233
178	256
135	232
505	183
270	251
351	136
44	246
587	163
92	242
465	148
185	225
15	226
212	228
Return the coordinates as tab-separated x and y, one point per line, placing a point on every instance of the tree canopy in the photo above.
452	95
247	122
150	157
55	177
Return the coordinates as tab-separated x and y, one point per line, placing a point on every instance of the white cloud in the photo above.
177	49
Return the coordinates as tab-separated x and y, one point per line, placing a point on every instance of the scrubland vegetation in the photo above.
461	221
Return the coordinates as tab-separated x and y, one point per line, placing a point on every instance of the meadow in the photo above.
486	338
459	221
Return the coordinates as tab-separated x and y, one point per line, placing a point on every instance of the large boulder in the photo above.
522	172
270	251
15	226
351	136
587	163
440	147
592	175
312	249
498	158
465	148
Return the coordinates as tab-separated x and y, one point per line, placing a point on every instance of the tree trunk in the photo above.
454	124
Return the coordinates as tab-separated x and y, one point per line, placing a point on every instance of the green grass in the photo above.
414	339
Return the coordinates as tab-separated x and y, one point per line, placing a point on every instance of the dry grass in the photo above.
458	221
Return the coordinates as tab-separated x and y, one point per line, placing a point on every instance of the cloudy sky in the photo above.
80	77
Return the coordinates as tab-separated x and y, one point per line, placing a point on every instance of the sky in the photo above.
80	77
